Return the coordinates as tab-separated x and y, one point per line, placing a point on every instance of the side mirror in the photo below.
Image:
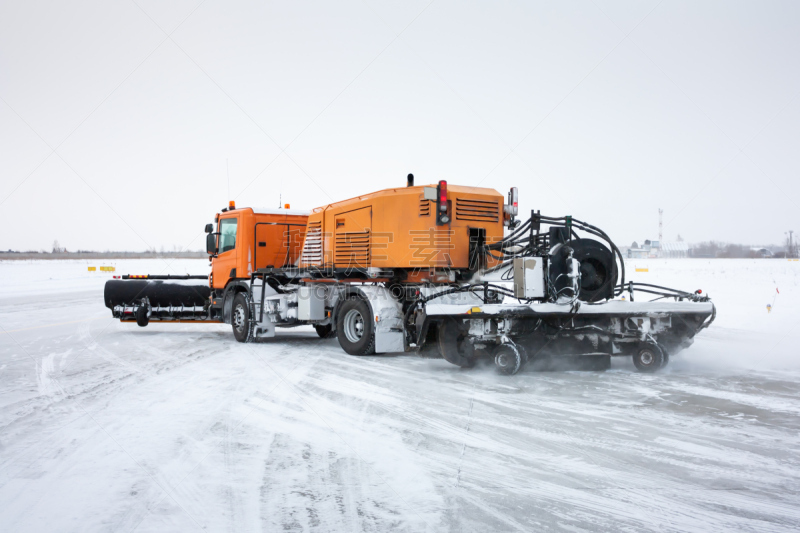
209	228
211	244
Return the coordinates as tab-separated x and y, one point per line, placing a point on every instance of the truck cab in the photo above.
249	239
245	241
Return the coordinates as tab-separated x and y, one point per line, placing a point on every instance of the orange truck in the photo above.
426	268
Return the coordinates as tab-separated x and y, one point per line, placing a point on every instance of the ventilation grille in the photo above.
352	249
477	210
424	207
312	248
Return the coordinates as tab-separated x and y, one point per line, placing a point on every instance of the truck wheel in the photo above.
453	344
323	331
240	318
354	327
648	358
141	316
509	358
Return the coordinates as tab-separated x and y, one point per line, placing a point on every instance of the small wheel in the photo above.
648	358
509	358
453	344
240	318
141	316
324	331
354	327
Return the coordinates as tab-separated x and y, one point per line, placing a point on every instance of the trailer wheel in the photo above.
240	318
141	316
509	358
648	358
355	328
453	344
324	331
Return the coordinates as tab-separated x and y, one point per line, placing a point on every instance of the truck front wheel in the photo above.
240	318
355	328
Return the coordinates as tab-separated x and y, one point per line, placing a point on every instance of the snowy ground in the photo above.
110	427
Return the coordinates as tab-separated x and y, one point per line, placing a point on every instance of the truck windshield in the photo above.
227	234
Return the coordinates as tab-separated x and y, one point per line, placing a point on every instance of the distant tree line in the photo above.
734	251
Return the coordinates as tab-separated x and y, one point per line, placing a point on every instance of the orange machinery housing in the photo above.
415	228
252	238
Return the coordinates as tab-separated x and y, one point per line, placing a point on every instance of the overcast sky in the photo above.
117	117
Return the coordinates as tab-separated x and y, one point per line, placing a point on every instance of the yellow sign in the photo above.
645	269
108	269
92	269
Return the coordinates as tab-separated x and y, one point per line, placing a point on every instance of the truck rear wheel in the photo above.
355	328
323	331
648	358
240	318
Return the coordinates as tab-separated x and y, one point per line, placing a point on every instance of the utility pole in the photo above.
660	224
790	252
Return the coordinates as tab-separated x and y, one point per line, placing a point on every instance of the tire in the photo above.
453	344
324	331
355	328
509	358
141	316
240	318
648	358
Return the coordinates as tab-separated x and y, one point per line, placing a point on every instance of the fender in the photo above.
387	312
230	291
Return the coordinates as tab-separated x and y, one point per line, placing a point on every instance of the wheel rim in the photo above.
238	317
503	360
353	326
646	357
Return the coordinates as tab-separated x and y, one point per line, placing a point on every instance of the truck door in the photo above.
224	265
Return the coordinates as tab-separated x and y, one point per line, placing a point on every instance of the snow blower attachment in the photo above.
163	298
550	297
444	270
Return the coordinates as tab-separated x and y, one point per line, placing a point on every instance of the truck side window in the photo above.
227	234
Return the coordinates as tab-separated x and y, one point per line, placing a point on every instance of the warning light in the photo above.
286	206
441	204
231	205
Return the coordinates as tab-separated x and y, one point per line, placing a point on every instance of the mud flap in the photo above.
425	338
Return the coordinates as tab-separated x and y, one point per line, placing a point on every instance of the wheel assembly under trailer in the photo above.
552	290
513	334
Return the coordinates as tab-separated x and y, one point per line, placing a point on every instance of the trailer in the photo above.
442	271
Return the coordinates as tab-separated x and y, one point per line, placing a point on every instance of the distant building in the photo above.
658	249
641	252
675	249
761	252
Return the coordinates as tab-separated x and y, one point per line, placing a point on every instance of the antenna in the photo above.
660	224
228	176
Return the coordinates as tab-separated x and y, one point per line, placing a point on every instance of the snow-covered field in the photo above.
110	427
